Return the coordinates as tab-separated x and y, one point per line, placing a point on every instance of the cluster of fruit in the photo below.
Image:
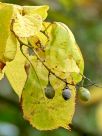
83	93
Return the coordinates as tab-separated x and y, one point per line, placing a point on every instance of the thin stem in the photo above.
48	76
31	65
44	31
49	70
63	80
92	83
47	27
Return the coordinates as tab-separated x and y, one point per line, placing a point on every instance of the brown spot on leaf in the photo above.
27	67
2	65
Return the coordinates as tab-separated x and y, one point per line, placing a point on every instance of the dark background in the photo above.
84	18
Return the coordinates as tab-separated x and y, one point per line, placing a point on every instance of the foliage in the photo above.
57	59
84	17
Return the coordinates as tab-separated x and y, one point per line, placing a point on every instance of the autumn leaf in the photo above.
42	113
59	58
15	72
26	26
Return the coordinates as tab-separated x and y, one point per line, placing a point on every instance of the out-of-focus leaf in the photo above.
66	4
84	2
99	52
85	119
57	132
99	117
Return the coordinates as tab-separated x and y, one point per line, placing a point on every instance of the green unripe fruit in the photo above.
49	91
84	94
66	93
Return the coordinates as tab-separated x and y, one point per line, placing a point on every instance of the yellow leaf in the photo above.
6	12
11	48
15	72
41	112
26	26
41	10
62	52
28	20
99	117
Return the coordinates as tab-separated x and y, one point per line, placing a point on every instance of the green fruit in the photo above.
49	91
66	93
84	94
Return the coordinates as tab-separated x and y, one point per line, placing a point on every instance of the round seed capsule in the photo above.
84	94
49	91
66	93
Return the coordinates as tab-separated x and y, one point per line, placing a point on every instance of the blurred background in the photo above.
84	18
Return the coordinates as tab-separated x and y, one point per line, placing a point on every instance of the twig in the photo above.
92	83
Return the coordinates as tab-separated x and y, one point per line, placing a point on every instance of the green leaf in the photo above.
15	72
41	112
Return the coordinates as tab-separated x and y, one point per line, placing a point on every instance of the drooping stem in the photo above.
31	65
49	70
